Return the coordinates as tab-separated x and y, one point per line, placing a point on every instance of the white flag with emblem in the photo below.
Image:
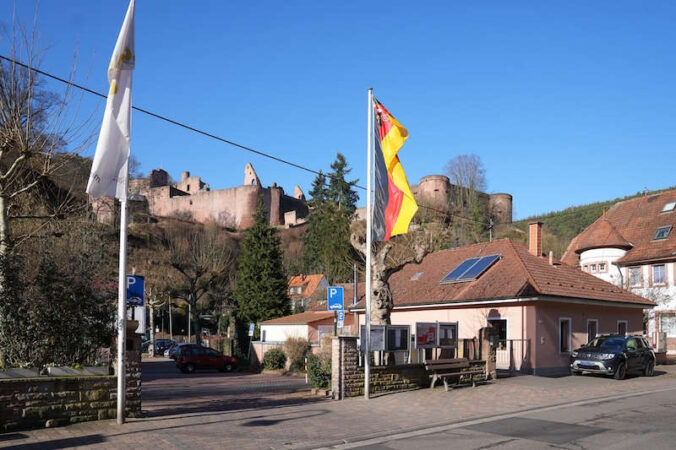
109	169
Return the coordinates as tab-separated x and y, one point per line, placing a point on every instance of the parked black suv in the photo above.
614	355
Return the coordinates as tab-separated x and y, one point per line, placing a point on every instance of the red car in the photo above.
196	357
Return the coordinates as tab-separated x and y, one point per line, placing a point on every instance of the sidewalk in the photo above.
309	424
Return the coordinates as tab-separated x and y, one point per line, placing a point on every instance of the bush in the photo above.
319	372
51	313
274	359
295	350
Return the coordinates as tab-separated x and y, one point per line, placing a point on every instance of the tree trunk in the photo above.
151	347
196	324
4	229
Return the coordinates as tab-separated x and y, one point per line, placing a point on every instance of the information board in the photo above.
397	337
448	334
377	338
426	334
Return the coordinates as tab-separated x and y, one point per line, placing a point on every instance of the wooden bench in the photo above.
457	368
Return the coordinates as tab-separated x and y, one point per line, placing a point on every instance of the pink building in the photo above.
541	308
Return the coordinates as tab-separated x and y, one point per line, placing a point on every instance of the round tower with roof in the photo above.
599	246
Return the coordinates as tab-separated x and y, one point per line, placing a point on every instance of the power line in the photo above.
207	134
167	119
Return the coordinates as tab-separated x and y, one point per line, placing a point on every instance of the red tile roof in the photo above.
308	283
517	274
300	319
633	222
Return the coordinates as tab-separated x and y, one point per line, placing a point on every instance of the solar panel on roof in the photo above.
470	269
458	271
480	267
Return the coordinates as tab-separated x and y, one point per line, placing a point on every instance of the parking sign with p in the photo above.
334	298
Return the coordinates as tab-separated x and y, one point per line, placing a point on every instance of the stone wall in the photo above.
347	378
54	401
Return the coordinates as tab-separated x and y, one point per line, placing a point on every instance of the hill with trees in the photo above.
560	227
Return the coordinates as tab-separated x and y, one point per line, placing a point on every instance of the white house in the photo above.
633	245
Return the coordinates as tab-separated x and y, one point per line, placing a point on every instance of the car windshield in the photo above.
607	342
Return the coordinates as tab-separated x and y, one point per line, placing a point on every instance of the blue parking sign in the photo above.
334	298
135	290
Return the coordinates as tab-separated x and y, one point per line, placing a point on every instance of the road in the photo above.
635	422
254	411
167	391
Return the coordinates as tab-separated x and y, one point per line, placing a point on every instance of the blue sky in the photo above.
565	102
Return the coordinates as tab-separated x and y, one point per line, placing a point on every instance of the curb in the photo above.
430	428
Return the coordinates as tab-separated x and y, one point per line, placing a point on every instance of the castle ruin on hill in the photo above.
192	199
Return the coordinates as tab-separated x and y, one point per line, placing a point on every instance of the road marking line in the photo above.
523	412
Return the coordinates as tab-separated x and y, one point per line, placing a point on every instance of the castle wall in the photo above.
232	207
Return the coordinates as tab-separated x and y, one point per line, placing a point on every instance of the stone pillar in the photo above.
344	364
487	339
132	373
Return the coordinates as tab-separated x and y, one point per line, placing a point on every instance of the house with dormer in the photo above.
540	308
633	245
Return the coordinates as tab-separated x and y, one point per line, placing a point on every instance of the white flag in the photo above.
109	169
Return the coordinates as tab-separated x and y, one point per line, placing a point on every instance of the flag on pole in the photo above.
394	203
109	169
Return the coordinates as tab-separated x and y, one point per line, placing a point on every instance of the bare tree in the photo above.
388	258
468	175
35	124
205	260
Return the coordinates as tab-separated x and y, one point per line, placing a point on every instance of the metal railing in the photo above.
513	355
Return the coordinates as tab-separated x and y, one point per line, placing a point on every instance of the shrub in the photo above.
274	359
295	350
319	371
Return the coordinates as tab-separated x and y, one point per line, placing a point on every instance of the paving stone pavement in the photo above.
289	420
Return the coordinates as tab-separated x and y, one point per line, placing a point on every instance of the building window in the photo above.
668	324
592	329
669	207
593	268
585	268
635	277
187	187
565	336
658	274
622	327
662	233
500	325
602	267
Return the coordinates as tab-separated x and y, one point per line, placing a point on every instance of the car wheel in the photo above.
575	373
620	372
649	369
189	368
228	367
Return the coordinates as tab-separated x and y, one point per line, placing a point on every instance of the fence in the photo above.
513	355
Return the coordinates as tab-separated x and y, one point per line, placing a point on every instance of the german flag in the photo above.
394	203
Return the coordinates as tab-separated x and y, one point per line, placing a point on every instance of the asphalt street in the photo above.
636	422
268	411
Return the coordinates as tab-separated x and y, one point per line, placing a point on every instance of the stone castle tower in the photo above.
437	191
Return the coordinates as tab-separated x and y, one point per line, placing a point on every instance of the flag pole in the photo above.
369	225
122	307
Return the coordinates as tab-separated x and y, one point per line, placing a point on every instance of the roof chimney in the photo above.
535	238
551	258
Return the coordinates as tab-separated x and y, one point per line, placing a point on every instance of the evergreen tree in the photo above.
261	292
327	241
